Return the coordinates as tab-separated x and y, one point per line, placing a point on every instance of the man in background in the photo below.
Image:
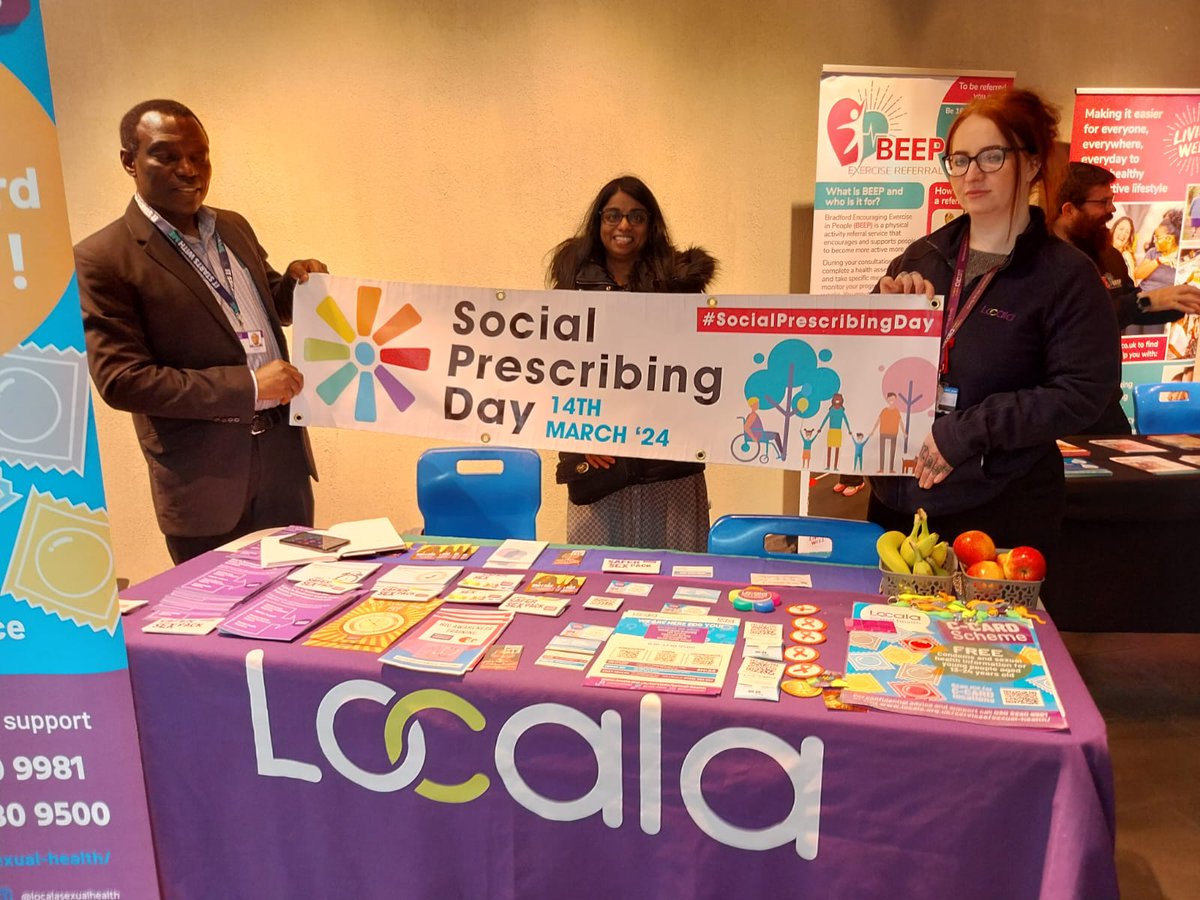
1084	208
183	321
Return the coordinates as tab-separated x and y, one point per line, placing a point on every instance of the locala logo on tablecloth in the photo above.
804	769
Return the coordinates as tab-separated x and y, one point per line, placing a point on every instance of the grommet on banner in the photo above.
935	303
713	301
701	456
499	295
297	417
485	438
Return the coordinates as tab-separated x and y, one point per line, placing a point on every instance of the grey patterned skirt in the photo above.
663	515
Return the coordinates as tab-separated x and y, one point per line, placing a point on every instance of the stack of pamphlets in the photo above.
372	626
666	653
284	612
988	669
574	646
214	593
758	679
449	642
515	554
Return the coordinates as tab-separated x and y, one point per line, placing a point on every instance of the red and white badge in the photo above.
801	654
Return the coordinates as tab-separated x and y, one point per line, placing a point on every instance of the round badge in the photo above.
764	606
742	605
803	609
801	654
808	623
761	595
800	689
804	670
808	637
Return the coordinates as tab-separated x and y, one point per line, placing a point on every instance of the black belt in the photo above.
266	419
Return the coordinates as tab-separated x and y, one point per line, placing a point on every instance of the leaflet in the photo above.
492	581
758	679
535	605
548	583
666	653
284	612
213	594
632	566
371	626
515	554
991	672
405	574
441	552
408	593
449	642
477	597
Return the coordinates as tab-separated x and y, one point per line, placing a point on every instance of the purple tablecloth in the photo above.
269	775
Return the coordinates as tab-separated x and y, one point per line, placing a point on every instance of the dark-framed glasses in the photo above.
1106	202
613	216
989	159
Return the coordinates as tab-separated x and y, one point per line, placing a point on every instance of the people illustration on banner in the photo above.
754	430
890	425
836	419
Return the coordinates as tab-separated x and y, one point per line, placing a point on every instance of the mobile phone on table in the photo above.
315	540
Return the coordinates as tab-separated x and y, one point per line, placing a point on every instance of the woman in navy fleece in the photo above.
1027	342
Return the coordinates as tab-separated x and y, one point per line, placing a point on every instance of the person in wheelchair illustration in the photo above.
755	441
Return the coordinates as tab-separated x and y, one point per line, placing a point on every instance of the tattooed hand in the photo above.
932	467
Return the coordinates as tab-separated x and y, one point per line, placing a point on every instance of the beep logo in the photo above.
604	739
864	128
853	130
365	353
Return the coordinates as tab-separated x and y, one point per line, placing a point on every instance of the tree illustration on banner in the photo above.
901	378
794	381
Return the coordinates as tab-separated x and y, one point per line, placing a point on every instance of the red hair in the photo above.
1028	123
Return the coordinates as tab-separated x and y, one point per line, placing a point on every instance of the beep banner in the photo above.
73	820
880	183
1150	140
841	384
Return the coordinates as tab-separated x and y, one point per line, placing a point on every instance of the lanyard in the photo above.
955	316
172	234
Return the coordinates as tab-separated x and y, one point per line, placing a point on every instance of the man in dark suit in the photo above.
183	321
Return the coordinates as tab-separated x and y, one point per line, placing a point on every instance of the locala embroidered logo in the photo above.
995	312
604	739
367	358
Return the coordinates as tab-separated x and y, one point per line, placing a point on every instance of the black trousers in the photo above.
279	493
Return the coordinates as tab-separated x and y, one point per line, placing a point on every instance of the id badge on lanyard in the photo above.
947	395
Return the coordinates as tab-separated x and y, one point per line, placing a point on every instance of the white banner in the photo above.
799	382
880	183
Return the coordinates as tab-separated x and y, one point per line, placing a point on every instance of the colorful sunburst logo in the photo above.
366	355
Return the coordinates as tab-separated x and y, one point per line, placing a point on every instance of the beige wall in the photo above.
456	142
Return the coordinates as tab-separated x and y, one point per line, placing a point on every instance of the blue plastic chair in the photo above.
853	541
461	493
1153	415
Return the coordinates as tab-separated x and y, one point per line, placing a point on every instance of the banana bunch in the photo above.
917	553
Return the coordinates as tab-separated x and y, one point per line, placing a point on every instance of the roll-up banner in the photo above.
1150	139
880	183
73	820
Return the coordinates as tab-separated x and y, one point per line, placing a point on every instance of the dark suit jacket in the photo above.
160	347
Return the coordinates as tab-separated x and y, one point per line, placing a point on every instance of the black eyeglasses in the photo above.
613	216
989	159
1106	202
